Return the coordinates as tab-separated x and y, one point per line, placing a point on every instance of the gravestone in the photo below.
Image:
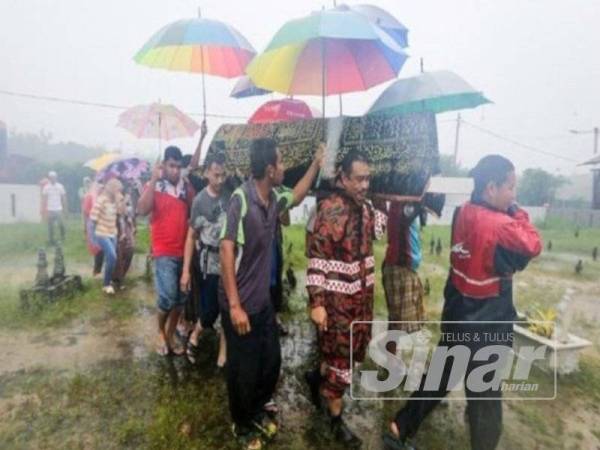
50	289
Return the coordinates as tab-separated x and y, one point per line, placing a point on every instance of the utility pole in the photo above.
595	131
595	171
456	139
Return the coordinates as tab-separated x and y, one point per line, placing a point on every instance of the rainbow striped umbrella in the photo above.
328	52
199	46
157	121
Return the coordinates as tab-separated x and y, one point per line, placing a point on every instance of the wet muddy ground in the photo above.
84	374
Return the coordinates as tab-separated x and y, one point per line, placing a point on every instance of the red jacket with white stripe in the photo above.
488	246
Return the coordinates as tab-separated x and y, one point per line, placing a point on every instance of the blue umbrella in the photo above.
244	87
384	20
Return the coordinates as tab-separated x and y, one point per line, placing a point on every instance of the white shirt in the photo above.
54	193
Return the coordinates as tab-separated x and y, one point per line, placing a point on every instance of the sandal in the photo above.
191	351
178	349
266	426
183	336
254	443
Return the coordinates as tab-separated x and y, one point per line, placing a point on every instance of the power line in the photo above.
100	105
227	116
516	143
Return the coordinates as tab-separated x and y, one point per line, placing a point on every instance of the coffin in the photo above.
403	149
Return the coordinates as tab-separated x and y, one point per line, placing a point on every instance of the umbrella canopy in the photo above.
130	168
327	52
198	45
157	121
384	20
101	161
244	87
285	110
436	92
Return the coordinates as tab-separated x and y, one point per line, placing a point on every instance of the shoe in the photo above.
343	434
109	290
313	379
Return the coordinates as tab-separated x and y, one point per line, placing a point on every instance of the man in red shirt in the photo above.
167	197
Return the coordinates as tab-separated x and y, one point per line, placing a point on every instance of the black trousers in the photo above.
253	365
277	288
208	303
485	415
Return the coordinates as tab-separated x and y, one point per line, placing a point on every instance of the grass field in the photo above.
80	373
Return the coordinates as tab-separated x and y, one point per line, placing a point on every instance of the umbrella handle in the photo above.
159	136
203	80
203	96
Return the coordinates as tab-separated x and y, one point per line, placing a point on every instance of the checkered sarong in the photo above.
404	297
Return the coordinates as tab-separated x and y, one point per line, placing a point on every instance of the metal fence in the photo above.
582	217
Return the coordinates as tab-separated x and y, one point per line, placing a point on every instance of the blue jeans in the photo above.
55	217
167	273
109	248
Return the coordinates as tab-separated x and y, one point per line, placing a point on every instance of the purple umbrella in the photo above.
130	168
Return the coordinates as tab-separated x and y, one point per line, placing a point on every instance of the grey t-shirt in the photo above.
254	244
207	217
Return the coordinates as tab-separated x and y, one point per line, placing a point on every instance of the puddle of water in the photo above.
80	345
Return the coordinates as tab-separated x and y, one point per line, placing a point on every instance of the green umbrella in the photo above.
437	92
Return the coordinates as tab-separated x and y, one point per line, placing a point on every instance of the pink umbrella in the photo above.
157	121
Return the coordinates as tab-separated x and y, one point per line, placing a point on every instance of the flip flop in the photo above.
190	352
254	443
183	336
266	426
178	349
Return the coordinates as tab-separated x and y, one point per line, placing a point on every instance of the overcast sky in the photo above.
538	60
